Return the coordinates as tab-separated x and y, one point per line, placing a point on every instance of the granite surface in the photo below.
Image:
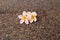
47	26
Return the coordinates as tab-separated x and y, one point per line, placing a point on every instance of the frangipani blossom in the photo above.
23	18
32	16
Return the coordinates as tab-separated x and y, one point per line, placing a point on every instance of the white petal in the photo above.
26	22
35	19
34	13
28	13
24	12
31	21
21	21
19	16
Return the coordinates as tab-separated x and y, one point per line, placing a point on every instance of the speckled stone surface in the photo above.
47	26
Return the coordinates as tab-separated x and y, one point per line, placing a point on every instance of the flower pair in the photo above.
27	17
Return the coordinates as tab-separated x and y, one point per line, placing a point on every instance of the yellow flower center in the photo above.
32	17
24	18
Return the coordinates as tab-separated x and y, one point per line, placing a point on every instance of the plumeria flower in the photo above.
32	16
23	18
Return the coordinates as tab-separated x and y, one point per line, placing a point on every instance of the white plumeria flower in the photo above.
32	16
23	18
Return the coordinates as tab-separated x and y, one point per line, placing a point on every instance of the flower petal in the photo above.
34	13
26	22
31	21
24	13
21	21
35	19
28	15
19	16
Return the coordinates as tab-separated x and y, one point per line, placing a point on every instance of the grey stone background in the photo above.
47	26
